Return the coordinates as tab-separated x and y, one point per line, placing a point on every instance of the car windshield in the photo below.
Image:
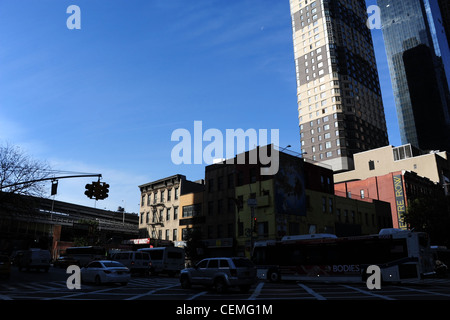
242	263
113	264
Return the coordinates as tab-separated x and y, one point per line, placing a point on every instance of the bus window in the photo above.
156	254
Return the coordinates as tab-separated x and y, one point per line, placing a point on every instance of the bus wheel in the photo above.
274	276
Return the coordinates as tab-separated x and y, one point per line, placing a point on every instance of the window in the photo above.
224	264
202	264
240	202
176	193
210	208
371	165
175	234
210	185
192	210
240	229
213	264
230	181
168	214
220	183
219	206
175	213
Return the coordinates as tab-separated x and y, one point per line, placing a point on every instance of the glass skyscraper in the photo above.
419	63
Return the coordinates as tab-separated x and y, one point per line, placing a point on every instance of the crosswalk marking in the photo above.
143	288
312	292
257	291
368	293
61	285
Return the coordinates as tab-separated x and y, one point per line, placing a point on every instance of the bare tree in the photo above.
18	172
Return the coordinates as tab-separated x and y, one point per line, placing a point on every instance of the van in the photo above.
34	259
168	260
137	262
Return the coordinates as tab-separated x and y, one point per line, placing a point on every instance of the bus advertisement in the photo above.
400	254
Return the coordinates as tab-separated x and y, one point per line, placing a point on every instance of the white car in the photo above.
104	271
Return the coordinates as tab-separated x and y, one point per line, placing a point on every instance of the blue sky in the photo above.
106	98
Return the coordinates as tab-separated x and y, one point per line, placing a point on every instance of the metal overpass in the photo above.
31	219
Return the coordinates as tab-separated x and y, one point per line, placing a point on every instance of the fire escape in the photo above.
157	219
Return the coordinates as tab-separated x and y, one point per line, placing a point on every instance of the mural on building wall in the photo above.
290	196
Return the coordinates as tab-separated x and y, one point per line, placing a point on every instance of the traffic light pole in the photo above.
53	179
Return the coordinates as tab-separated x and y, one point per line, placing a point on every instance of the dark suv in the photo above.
220	273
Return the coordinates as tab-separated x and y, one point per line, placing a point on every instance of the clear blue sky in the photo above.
106	98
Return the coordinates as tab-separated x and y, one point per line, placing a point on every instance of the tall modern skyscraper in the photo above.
419	62
339	97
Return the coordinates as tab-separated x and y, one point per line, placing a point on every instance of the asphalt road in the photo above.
34	285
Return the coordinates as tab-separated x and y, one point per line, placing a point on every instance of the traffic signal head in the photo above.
89	190
97	190
105	190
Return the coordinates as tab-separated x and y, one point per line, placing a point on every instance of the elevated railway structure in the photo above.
27	221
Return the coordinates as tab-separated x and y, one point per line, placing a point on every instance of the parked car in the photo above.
104	271
5	266
137	262
220	273
64	262
34	259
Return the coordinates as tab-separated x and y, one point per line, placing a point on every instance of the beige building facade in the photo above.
159	211
435	166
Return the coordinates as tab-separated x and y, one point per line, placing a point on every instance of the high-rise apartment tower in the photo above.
339	98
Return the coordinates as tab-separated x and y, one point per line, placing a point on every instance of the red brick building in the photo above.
398	188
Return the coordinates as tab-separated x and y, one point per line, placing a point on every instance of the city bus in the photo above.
400	254
84	255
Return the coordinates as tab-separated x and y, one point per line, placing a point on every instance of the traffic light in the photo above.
101	190
255	225
89	190
54	187
97	190
104	189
